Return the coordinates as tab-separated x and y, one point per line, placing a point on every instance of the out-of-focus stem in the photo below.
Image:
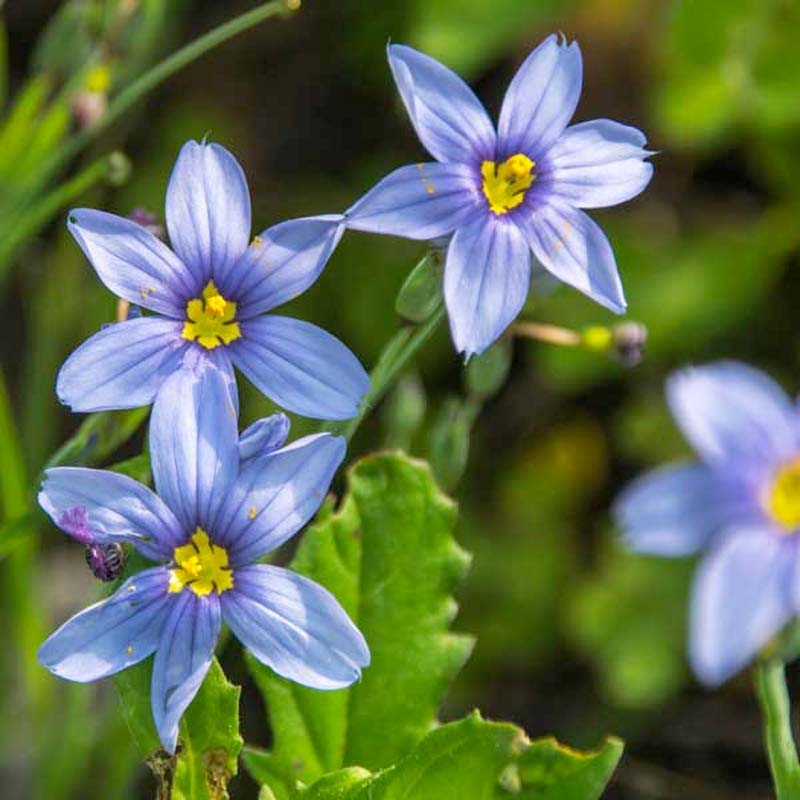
542	332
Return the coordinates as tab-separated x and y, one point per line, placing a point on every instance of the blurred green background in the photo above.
575	637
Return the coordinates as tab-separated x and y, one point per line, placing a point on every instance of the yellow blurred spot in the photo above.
783	502
98	79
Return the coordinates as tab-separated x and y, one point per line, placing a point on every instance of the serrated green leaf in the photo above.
390	558
548	770
209	734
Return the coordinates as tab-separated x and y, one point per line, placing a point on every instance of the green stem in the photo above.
159	73
396	355
775	706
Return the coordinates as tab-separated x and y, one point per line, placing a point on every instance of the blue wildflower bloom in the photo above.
209	294
222	503
740	504
508	192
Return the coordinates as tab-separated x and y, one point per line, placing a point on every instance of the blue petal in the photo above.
420	201
570	246
263	437
541	99
122	366
194	444
208	209
730	412
295	627
281	263
486	281
741	598
598	163
132	263
111	635
184	654
275	495
117	508
301	367
675	510
449	120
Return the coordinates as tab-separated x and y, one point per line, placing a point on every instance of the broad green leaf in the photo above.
548	770
480	760
209	741
390	558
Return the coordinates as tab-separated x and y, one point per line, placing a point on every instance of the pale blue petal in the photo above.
571	246
184	654
132	263
541	99
450	121
419	201
486	281
122	366
731	412
675	510
300	367
111	635
117	508
208	209
263	437
281	263
275	495
295	627
598	164
741	598
194	444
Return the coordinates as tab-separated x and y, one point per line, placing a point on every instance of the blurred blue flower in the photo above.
509	192
222	504
209	297
740	504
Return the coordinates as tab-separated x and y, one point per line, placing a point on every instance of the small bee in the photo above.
105	560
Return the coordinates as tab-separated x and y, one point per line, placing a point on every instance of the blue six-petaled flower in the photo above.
505	193
209	295
740	504
222	503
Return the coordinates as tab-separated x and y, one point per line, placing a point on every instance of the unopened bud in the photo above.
149	220
628	342
88	108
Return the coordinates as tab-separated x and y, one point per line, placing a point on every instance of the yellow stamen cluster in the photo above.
201	566
211	319
783	500
504	185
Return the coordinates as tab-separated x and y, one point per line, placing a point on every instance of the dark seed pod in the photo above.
105	560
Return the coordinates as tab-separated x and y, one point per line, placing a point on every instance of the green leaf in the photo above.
421	291
390	558
209	741
548	770
479	760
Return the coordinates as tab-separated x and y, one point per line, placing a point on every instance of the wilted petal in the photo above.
294	626
184	654
122	366
740	600
113	634
117	509
301	367
208	209
419	201
486	281
598	163
541	99
132	263
449	120
194	444
275	495
571	246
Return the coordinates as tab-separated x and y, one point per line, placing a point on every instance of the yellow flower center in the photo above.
783	501
210	320
505	185
202	566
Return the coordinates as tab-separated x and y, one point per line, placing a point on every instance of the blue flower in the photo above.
740	504
509	192
222	503
209	294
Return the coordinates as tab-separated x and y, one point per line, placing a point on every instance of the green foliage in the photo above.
421	291
389	556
